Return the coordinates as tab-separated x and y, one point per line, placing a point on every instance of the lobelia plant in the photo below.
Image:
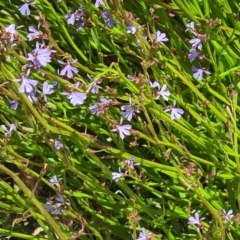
89	87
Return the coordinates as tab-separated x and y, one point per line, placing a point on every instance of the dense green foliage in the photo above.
176	167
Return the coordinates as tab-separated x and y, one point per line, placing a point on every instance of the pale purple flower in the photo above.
196	220
57	144
60	202
130	163
68	70
40	56
199	72
75	97
193	54
98	3
57	209
8	132
27	85
131	29
71	18
53	207
123	130
128	111
49	207
190	26
47	89
95	108
104	101
95	87
13	104
154	84
196	43
59	198
164	93
116	176
144	235
175	112
54	180
12	30
77	17
160	37
228	215
105	15
109	22
24	8
34	33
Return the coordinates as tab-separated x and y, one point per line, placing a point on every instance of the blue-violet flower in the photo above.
175	112
68	70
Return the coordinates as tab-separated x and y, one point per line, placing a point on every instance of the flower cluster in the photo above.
55	205
128	164
196	44
109	22
77	18
100	108
41	55
8	35
164	93
68	87
129	110
35	34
